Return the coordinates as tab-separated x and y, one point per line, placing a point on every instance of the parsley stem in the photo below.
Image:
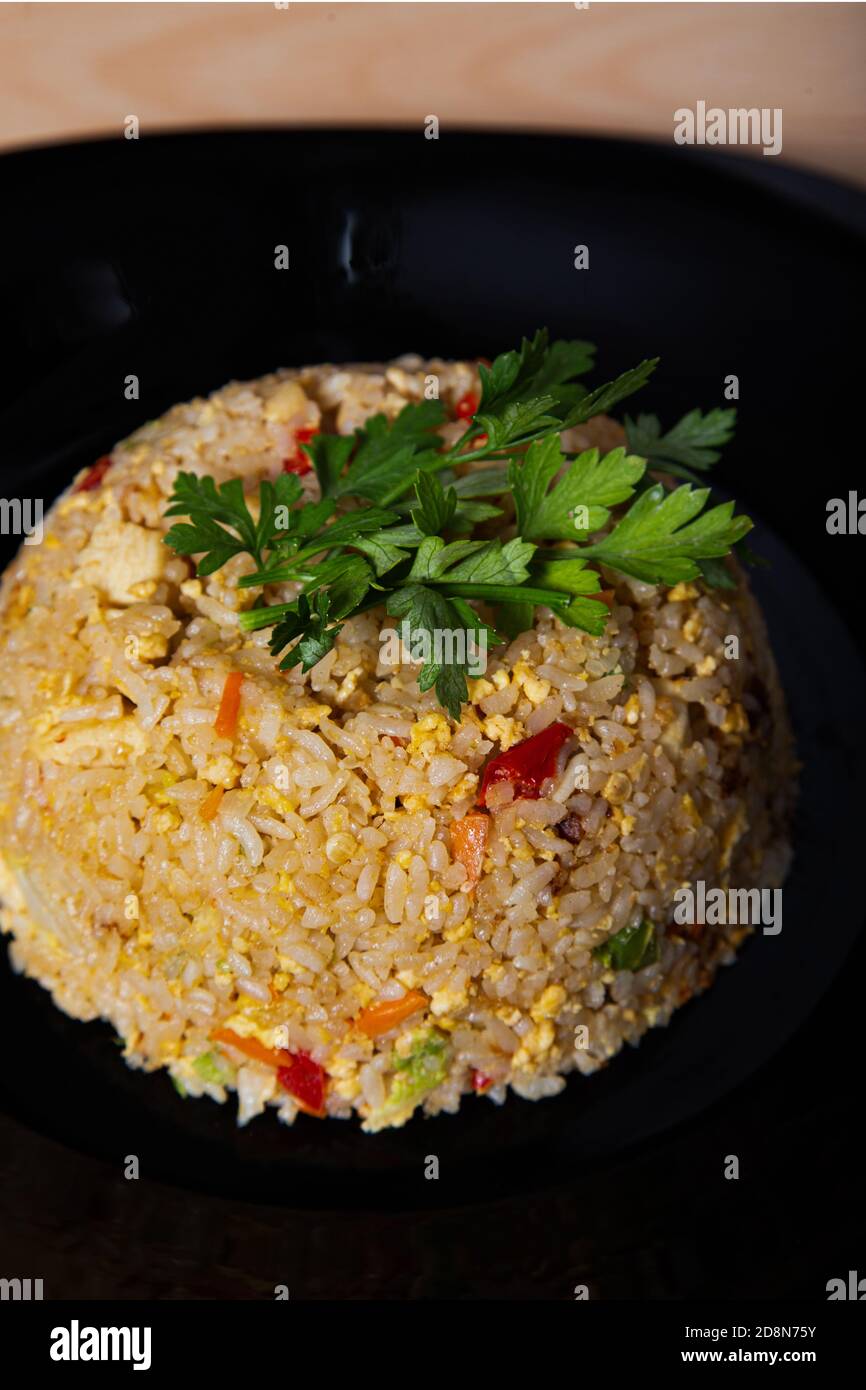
501	593
505	451
253	618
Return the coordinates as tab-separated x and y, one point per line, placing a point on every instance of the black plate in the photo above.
165	269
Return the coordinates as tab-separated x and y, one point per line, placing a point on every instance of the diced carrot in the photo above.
469	837
211	803
226	721
251	1047
381	1018
480	1082
305	1081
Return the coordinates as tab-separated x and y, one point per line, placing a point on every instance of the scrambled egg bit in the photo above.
504	731
430	735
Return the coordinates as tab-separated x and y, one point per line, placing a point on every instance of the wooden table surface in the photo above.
78	69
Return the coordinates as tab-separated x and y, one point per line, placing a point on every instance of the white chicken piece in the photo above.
120	556
108	743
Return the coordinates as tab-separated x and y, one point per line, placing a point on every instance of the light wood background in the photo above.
78	69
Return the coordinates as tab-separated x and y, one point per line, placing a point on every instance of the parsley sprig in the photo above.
397	522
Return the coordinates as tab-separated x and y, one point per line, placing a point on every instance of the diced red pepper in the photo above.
93	477
305	1082
527	764
465	409
297	1073
480	1082
299	462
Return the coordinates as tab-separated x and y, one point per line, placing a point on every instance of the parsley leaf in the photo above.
387	457
662	536
436	507
430	614
384	553
290	561
482	482
515	421
716	574
308	622
213	510
330	454
599	401
529	390
472	562
589	483
693	443
538	368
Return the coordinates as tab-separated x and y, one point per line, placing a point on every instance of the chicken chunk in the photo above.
119	557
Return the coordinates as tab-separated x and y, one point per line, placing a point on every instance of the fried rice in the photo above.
322	882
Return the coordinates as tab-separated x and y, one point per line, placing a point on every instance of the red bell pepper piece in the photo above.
465	409
93	477
466	406
305	1082
480	1082
527	764
299	462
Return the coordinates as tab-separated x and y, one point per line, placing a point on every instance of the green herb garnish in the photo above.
396	526
691	445
420	1071
212	1069
632	948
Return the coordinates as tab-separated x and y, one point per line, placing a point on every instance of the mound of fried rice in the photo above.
326	881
